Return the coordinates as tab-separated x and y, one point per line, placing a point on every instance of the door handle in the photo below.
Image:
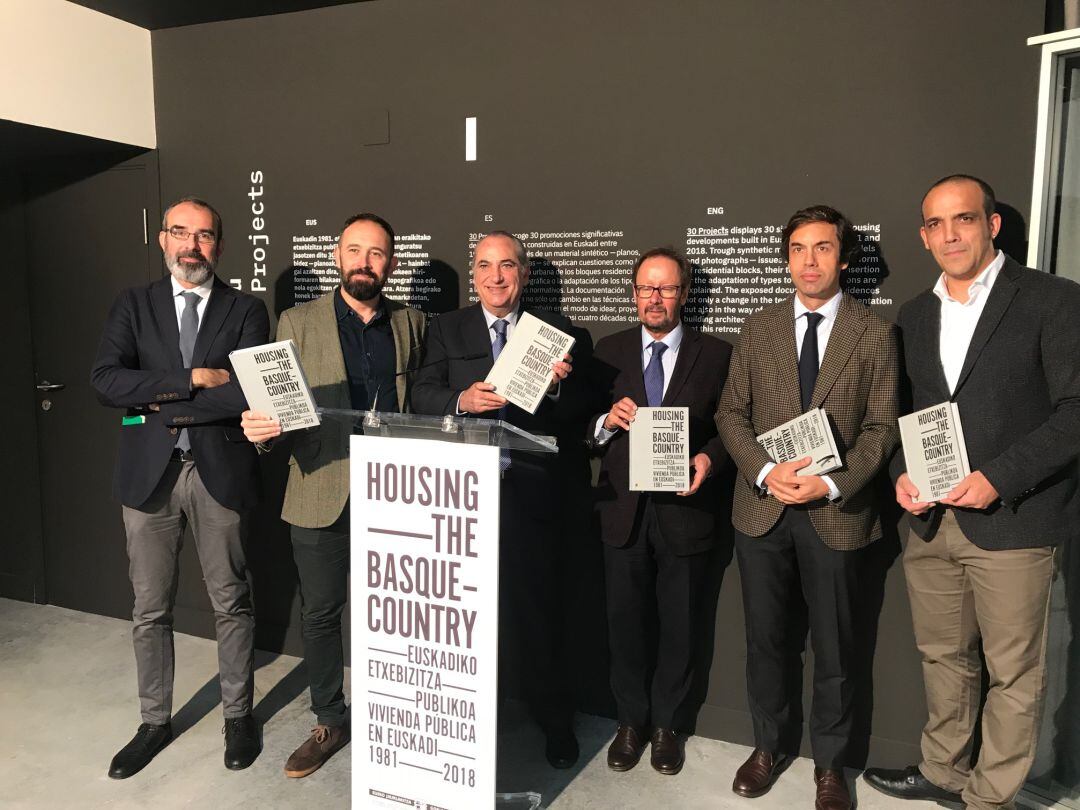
45	385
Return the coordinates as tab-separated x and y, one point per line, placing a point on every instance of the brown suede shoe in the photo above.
832	790
318	748
626	749
667	754
756	775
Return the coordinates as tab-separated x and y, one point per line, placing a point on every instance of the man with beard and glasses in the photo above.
182	459
355	346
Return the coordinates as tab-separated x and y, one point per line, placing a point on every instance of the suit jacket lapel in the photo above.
475	334
330	362
933	351
1001	295
688	354
635	374
399	325
217	309
844	337
784	354
161	296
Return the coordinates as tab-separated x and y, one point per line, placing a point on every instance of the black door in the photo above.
90	232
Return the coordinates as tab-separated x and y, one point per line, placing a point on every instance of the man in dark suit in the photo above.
1002	342
459	352
164	357
656	544
799	538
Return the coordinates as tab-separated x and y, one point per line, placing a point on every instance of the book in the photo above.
934	450
273	383
660	450
522	374
805	435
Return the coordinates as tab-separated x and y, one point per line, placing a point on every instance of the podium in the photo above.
424	564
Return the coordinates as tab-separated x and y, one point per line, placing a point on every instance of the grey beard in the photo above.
193	274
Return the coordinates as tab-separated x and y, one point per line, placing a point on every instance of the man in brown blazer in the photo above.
355	345
798	537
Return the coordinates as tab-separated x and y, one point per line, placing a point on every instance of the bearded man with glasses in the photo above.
656	544
183	459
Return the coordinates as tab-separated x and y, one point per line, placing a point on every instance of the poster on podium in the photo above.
425	585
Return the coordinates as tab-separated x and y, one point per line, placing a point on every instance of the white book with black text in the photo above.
934	450
660	450
806	435
274	384
522	374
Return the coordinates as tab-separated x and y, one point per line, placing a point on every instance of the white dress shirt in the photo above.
959	319
673	340
828	312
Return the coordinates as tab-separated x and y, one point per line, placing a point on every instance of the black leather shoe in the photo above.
626	749
756	775
667	753
909	783
136	755
561	748
241	742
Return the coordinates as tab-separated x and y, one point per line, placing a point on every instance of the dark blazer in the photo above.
1019	401
139	363
689	523
457	353
857	386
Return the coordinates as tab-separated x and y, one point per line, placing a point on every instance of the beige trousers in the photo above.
960	594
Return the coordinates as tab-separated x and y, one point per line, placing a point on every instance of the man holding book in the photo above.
1001	343
798	538
356	347
656	544
537	488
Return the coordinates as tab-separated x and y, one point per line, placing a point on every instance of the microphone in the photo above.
372	420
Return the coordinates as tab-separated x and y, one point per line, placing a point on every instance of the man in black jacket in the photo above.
164	358
1001	341
656	544
459	352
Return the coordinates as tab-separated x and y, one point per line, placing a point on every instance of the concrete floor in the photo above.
68	703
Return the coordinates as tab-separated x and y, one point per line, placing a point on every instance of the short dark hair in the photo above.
667	253
519	247
989	199
366	216
845	233
219	231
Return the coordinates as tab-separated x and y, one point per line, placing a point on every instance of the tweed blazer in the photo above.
1019	399
318	485
857	387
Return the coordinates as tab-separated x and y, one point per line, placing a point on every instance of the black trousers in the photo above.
532	659
791	582
654	597
322	560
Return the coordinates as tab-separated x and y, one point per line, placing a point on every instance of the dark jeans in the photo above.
322	560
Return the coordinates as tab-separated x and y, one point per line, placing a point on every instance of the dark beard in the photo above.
361	286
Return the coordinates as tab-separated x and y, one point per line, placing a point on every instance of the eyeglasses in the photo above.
647	290
182	234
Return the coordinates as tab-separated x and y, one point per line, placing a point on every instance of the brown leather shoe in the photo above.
756	775
667	754
318	748
626	749
832	790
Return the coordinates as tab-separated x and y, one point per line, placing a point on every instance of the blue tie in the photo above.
654	375
496	349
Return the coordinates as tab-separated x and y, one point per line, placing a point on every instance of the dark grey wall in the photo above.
626	115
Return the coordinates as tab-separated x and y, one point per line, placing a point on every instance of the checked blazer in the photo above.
857	386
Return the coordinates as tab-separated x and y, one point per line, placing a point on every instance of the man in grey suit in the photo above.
1003	342
355	346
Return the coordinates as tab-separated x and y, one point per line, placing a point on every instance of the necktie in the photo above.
654	375
808	359
496	349
189	331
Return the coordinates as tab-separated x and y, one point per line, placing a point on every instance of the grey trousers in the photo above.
155	533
